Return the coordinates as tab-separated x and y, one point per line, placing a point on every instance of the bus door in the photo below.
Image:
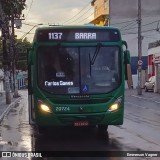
30	91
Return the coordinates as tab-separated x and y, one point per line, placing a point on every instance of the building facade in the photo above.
101	12
154	63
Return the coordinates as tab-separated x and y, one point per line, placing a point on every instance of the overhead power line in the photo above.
130	24
29	9
85	18
157	21
76	14
155	29
124	22
90	14
82	15
28	24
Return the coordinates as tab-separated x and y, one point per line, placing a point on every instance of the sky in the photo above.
57	12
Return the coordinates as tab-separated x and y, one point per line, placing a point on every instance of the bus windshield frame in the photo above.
99	77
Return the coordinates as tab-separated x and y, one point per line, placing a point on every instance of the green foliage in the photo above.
21	56
15	7
21	53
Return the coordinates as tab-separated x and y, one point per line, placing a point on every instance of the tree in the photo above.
21	54
15	7
11	10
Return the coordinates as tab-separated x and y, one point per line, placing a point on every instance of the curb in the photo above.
8	109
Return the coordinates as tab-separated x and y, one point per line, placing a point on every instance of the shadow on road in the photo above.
75	141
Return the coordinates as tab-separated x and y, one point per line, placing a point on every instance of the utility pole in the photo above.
139	90
13	51
6	63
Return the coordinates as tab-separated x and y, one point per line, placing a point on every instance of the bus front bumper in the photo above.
91	119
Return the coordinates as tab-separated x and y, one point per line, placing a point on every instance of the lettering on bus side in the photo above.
55	35
85	35
62	109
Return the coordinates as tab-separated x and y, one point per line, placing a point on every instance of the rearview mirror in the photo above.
128	72
125	44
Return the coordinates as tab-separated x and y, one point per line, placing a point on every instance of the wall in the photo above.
158	78
101	10
154	67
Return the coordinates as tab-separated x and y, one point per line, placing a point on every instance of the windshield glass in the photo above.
72	70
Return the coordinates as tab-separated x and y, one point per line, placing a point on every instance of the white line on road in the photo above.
140	106
151	98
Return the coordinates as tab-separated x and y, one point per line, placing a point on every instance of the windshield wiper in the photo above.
95	54
91	61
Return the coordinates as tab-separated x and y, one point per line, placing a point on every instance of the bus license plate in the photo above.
81	123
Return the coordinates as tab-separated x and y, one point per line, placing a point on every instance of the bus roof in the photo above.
75	26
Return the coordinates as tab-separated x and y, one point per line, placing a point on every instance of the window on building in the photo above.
96	11
105	4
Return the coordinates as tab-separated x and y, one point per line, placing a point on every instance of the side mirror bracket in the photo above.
125	44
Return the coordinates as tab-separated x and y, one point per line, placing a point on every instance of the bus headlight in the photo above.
44	107
115	106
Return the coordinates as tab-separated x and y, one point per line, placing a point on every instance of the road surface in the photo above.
140	132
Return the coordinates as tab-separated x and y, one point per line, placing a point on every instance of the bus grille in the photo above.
81	101
92	119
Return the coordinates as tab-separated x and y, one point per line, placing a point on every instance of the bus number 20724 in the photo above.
62	109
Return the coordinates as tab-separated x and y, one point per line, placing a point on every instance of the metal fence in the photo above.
22	83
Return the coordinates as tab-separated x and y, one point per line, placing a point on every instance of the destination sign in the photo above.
78	34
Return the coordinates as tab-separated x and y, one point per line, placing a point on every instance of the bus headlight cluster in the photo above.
115	106
44	107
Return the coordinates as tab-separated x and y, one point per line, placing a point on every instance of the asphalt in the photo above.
155	97
5	108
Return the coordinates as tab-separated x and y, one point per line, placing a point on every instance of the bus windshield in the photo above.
70	70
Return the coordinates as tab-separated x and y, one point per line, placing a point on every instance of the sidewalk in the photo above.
4	108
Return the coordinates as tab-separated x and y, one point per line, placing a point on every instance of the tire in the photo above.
145	88
102	128
153	88
102	132
42	130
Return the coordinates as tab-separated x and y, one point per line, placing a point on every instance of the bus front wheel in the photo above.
102	128
42	130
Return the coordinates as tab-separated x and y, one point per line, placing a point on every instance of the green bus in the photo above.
76	77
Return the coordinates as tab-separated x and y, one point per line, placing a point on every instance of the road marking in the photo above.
135	104
151	98
141	106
